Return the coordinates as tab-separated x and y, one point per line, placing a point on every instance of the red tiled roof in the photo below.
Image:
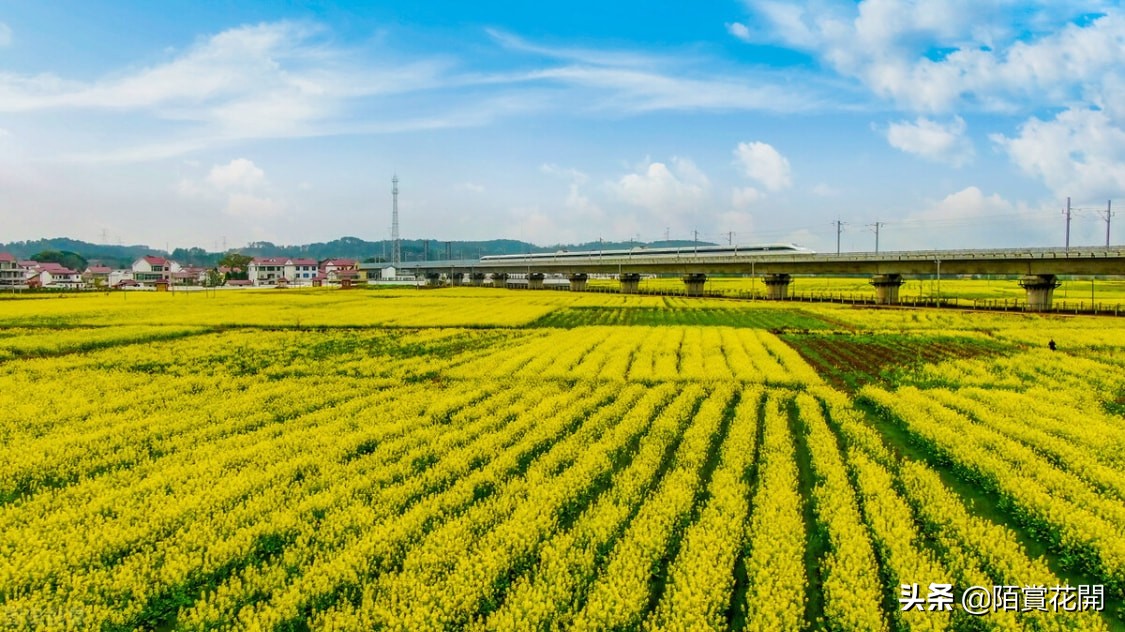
240	282
303	262
154	260
5	256
99	269
270	261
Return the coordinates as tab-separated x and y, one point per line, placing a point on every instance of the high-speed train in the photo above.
662	252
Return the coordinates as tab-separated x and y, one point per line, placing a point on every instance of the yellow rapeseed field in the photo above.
486	459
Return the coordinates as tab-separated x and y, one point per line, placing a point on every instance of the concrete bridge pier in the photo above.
630	282
693	283
578	282
477	279
457	278
433	279
535	281
886	288
499	279
777	286
1040	290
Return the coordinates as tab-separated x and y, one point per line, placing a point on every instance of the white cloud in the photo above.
932	140
289	80
253	207
1079	153
658	187
240	188
970	218
650	89
739	30
5	35
578	204
239	173
764	164
744	197
271	80
574	175
933	55
969	202
471	187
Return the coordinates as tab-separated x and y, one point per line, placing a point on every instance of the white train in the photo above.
664	252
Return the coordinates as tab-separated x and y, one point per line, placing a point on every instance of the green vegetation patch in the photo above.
849	361
773	319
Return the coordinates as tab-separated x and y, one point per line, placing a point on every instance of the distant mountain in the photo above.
347	247
111	255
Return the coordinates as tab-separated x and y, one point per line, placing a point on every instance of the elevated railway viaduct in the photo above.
1038	268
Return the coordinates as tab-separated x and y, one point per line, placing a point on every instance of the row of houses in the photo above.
273	271
155	271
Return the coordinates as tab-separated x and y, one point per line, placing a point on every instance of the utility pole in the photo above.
667	232
875	227
426	249
839	229
1066	212
730	237
448	250
1107	216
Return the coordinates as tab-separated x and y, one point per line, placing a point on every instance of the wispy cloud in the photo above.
265	81
291	80
640	81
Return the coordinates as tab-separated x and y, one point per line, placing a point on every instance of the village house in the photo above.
97	275
54	275
300	271
190	275
266	271
149	269
11	275
121	278
339	271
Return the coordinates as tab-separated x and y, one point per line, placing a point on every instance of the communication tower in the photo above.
396	247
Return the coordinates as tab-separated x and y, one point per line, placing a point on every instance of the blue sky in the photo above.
955	123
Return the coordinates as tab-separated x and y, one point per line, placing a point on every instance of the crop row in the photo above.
667	479
649	354
1071	512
